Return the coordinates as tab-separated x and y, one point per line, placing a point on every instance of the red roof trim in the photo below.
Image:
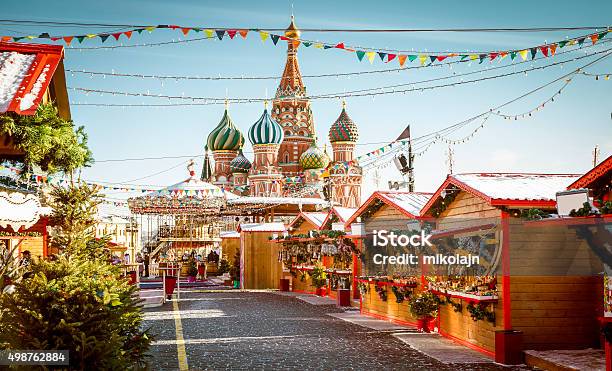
50	55
592	175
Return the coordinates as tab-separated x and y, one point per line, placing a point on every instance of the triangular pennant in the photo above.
243	33
411	58
274	38
103	37
80	38
295	43
523	54
492	56
150	28
340	46
402	60
534	51
544	50
594	37
562	43
185	30
44	35
306	43
325	46
5	38
553	49
503	55
139	30
117	35
433	58
512	55
220	34
89	36
371	56
318	45
209	33
382	56
391	57
360	54
603	34
68	39
284	38
473	57
422	59
440	58
463	57
581	41
482	58
128	34
232	33
263	35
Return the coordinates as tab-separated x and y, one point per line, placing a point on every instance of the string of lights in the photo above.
355	93
160	43
112	73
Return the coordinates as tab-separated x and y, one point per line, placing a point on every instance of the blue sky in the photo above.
558	139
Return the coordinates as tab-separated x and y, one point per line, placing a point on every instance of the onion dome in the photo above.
314	158
292	31
225	136
266	130
344	129
240	164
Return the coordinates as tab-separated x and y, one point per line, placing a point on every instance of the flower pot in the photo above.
170	283
191	279
425	324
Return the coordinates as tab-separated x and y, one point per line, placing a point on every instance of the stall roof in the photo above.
408	203
262	227
26	71
229	234
604	169
317	219
508	189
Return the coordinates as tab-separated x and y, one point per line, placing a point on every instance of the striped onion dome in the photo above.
240	164
266	130
314	158
225	136
344	129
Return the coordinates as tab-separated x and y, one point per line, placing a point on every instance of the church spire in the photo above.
291	84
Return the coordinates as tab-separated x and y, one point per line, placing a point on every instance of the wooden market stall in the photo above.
534	289
384	295
337	218
230	244
260	267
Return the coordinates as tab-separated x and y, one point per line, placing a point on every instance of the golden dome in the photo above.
292	31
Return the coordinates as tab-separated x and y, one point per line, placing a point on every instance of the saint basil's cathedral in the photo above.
288	161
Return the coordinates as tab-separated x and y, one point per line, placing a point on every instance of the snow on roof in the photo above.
25	74
229	234
598	172
344	213
508	186
276	200
262	227
411	202
313	217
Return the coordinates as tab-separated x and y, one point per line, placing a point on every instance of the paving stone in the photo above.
261	330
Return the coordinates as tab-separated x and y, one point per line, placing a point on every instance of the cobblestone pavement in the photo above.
262	330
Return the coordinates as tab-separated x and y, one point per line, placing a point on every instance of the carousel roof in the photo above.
191	196
277	200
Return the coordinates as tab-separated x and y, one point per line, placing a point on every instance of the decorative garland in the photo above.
386	56
381	291
400	292
479	312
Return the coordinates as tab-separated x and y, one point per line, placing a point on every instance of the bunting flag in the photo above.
546	50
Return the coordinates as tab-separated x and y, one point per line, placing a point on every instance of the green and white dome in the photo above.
344	129
266	130
314	158
225	136
240	164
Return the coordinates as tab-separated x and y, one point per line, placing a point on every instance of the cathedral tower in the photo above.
225	140
291	109
344	171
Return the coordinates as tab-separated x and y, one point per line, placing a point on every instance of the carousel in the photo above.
182	224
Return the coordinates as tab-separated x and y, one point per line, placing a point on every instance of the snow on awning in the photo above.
26	71
262	227
229	234
19	210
